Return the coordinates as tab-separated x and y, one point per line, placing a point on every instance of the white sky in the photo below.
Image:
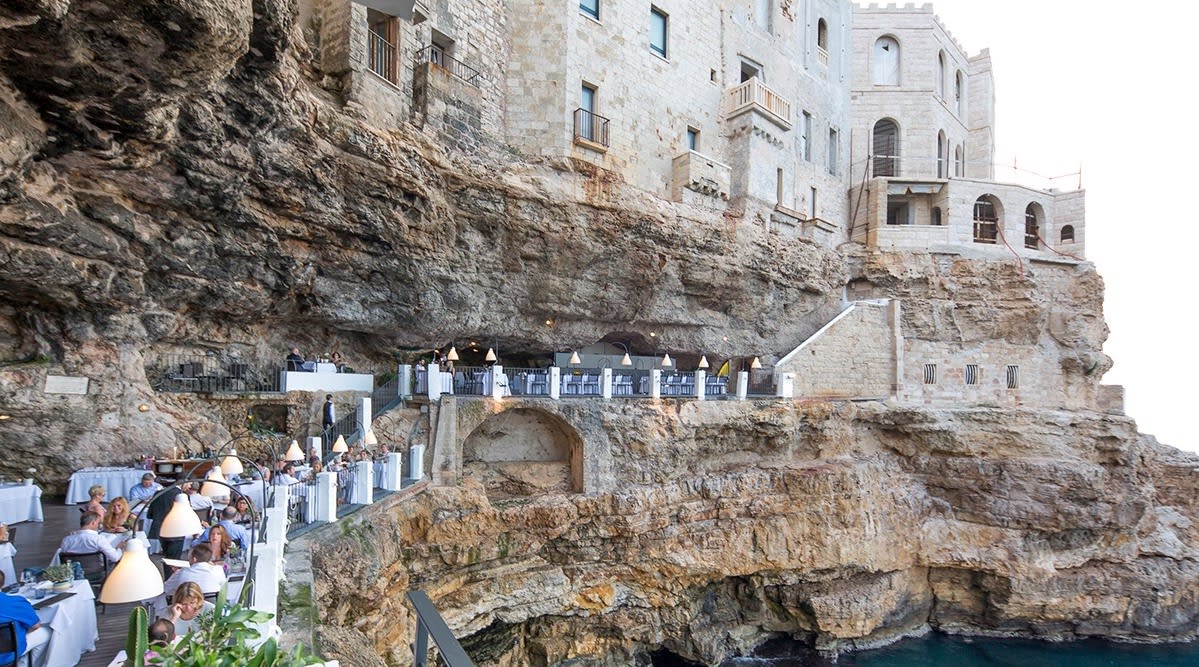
1097	84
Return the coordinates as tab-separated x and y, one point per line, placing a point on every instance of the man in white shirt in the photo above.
201	503
207	576
88	540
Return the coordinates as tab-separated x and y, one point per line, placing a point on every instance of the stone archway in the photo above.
523	452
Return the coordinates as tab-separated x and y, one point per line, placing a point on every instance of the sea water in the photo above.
937	650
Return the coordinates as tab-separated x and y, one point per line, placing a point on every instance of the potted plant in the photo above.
61	575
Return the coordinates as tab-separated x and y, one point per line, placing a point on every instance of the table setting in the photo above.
116	480
69	615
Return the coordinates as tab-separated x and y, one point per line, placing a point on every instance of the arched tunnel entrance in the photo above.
524	452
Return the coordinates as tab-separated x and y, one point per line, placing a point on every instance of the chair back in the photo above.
95	566
8	642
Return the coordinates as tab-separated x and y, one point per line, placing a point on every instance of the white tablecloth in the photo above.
116	481
325	367
72	624
7	551
20	503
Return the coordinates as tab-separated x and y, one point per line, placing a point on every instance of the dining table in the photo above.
71	619
7	551
116	481
20	502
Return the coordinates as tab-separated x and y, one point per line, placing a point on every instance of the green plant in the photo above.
136	640
227	638
59	573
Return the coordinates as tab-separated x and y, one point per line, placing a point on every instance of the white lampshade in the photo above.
182	520
666	362
339	446
210	488
134	578
294	453
627	361
369	439
490	354
453	355
231	465
574	358
703	361
756	363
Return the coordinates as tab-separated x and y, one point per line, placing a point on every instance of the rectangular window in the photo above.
930	374
1013	377
805	137
657	31
692	139
812	205
585	124
971	373
590	8
778	186
832	151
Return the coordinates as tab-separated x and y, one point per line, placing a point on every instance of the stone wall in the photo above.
854	356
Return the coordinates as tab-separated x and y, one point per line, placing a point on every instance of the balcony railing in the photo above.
822	56
591	127
754	94
382	57
215	375
436	55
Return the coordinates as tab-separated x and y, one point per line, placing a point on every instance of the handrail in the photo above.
436	55
754	93
429	623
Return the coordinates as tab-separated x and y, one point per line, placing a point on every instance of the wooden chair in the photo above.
8	645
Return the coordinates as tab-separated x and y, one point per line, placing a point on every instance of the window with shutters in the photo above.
885	68
886	148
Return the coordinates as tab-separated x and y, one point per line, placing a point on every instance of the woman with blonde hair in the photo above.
119	517
96	504
187	605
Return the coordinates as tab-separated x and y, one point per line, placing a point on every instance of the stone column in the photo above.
555	382
498	384
433	375
404	380
325	502
786	385
606	382
416	462
742	384
365	418
701	379
364	483
655	383
393	474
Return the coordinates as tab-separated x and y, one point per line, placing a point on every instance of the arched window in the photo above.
942	149
937	216
959	161
886	148
987	213
1068	234
1033	215
886	62
959	92
822	34
940	83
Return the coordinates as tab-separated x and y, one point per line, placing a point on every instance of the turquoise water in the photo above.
935	650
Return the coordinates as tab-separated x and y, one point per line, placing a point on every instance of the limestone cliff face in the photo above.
172	179
863	523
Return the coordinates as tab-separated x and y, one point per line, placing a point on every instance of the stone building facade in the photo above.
814	120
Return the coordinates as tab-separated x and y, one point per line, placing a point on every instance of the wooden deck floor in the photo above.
36	544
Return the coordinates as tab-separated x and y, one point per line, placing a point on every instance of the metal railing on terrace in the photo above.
528	381
213	375
591	127
382	55
755	94
436	55
922	167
